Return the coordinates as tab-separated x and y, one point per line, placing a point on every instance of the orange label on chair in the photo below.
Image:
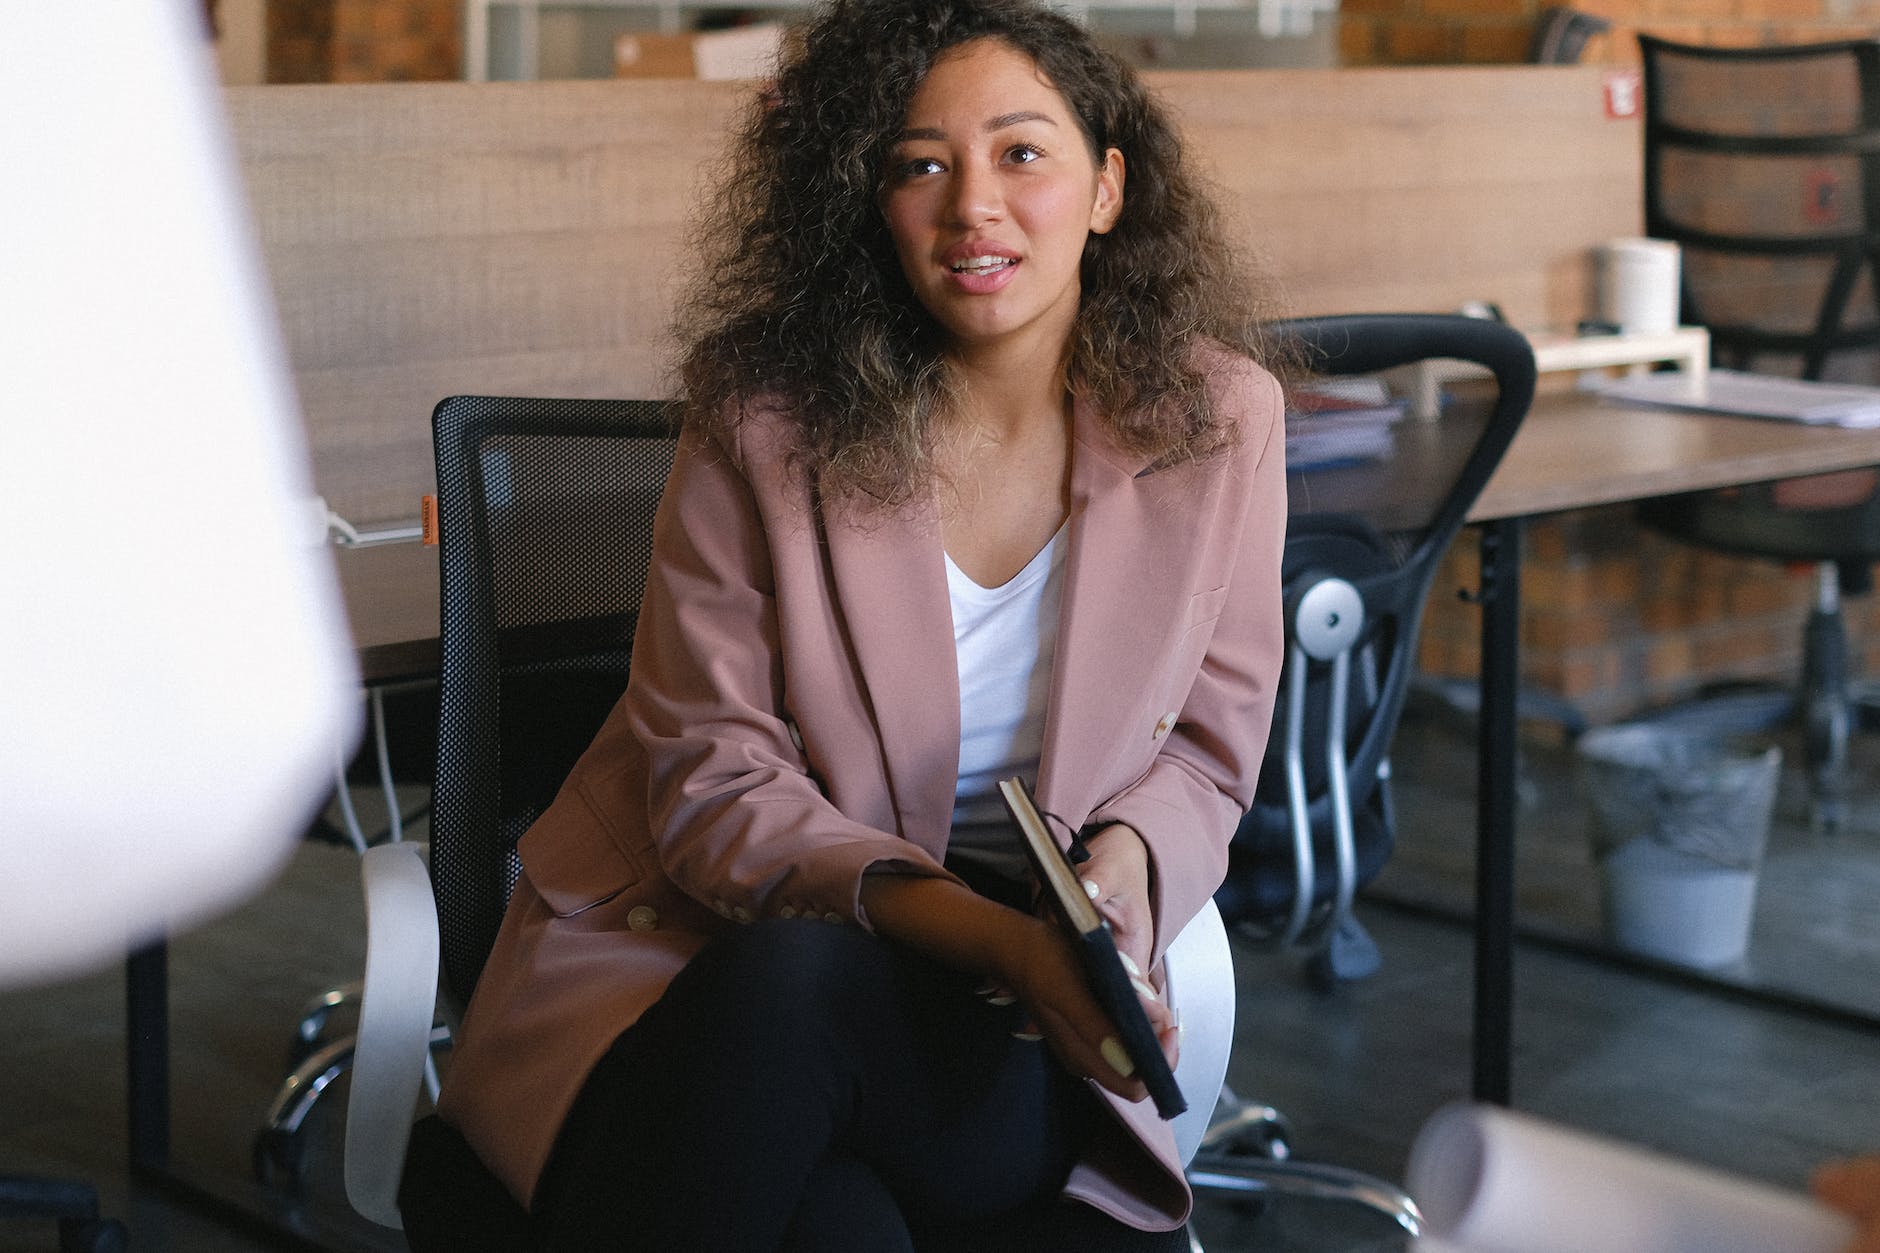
427	519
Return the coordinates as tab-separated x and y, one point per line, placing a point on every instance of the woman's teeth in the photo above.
982	265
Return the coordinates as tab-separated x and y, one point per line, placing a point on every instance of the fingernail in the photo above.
1143	988
1092	890
1026	1035
1113	1053
1003	998
1129	965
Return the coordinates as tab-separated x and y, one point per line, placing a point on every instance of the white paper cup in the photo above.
1638	285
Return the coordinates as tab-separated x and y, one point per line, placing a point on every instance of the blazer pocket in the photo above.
575	857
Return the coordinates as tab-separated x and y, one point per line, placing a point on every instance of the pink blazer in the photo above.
793	719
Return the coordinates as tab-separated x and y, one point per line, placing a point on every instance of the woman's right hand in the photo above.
1853	1187
1017	952
1041	967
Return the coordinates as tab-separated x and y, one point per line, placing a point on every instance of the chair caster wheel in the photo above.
1264	1142
1259	1141
278	1158
98	1235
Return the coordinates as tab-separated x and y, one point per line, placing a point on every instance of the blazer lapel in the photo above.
1125	584
890	583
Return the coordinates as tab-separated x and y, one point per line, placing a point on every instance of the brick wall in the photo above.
364	41
1447	32
1616	619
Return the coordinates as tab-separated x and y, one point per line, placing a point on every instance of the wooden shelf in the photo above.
1688	346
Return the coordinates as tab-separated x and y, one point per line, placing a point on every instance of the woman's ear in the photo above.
1109	202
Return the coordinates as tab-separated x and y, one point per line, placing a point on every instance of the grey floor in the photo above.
1689	1067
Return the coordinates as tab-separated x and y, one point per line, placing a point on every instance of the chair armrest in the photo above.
1199	969
395	1016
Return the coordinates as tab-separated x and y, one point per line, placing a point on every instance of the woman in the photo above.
966	353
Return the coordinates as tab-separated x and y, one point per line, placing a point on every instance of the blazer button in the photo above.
1163	726
642	918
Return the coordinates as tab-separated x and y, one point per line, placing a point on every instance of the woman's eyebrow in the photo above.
1004	120
998	123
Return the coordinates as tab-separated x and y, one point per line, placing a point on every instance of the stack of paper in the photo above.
1755	396
1339	421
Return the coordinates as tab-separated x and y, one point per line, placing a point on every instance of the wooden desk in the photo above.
1573	452
1576	452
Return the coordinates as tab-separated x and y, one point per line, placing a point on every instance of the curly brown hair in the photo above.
801	302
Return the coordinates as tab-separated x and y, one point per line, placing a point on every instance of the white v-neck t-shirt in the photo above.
1006	639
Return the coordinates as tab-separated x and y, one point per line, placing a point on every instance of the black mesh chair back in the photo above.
545	512
1763	164
1381	525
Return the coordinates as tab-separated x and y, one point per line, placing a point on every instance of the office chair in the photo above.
1362	546
545	514
1764	165
535	654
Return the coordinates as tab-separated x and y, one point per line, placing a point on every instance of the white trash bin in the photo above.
1679	824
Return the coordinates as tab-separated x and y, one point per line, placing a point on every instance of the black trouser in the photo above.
805	1086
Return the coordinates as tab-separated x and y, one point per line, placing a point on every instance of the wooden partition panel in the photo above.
428	239
528	238
1418	189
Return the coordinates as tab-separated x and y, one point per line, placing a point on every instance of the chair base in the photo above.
278	1151
1247	1155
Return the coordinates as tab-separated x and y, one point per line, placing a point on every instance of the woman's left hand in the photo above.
1117	878
1118	871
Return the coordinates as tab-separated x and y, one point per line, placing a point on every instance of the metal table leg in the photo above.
1495	811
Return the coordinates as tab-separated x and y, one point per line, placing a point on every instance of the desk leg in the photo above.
147	1056
1495	811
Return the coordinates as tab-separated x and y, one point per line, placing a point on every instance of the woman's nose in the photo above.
977	197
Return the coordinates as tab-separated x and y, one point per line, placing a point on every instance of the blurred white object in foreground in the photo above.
175	676
1492	1181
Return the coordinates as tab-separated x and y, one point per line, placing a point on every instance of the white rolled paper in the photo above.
1492	1181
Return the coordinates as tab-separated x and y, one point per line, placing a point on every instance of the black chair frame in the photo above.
1345	781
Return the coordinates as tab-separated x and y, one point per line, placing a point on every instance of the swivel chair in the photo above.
1764	165
1362	547
535	653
